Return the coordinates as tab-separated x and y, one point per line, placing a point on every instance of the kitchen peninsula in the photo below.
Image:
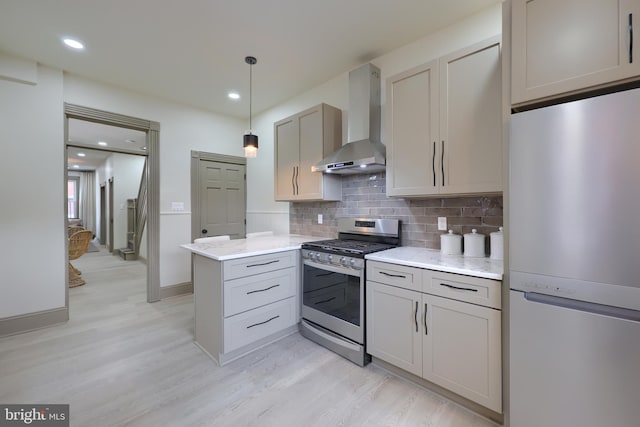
245	293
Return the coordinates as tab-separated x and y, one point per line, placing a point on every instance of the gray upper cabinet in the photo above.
301	141
561	48
444	125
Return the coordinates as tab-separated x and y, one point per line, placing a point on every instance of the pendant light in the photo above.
250	140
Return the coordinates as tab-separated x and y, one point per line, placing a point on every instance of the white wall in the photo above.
32	233
182	129
260	191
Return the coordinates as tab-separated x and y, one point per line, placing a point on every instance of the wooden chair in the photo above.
212	239
78	245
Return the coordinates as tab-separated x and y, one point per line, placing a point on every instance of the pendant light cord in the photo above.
251	61
250	94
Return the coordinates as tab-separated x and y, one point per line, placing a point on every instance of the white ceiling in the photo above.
192	51
83	134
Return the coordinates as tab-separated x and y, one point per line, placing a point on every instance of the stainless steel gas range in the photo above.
333	284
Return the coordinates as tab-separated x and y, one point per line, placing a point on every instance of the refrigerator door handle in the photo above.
588	307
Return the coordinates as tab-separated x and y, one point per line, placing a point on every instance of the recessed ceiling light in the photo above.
144	148
130	141
75	44
102	143
233	95
81	154
76	166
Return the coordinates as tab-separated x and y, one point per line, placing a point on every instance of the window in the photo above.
73	184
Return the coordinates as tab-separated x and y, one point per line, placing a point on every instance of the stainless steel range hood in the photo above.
364	152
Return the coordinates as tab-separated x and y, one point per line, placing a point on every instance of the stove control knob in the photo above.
308	254
317	256
352	262
343	261
330	258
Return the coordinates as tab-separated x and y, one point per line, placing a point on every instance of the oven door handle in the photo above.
334	268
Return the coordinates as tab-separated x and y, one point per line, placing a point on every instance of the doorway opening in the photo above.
79	115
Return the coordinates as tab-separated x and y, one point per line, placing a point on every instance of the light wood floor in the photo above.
121	361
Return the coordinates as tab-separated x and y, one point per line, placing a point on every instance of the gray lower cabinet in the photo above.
244	303
445	328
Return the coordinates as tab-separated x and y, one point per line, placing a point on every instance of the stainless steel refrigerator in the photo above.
575	264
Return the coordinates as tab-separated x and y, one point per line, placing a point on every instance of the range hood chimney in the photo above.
364	151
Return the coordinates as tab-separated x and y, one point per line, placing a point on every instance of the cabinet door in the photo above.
471	120
412	132
309	184
560	47
287	155
461	349
394	327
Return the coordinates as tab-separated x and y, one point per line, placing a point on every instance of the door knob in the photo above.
205	231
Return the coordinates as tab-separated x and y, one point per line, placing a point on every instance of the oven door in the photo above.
333	297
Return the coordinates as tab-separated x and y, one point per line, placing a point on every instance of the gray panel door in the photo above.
223	201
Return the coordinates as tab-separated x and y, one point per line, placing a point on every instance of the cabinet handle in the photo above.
297	174
458	288
262	323
393	275
415	316
293	180
426	329
433	163
262	290
630	38
442	162
264	263
325	300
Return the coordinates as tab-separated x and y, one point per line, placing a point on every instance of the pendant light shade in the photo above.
250	141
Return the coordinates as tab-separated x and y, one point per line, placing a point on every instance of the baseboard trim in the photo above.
32	321
173	290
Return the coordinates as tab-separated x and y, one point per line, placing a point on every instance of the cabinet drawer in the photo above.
250	326
250	292
475	290
250	266
395	275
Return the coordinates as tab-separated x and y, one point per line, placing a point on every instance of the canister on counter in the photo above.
474	244
450	244
497	244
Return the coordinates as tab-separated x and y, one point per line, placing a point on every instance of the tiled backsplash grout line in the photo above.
365	195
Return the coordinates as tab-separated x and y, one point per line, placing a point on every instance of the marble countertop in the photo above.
241	248
432	259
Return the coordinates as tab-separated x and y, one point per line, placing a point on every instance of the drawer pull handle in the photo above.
262	290
393	275
323	301
426	329
415	316
264	263
262	323
458	288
